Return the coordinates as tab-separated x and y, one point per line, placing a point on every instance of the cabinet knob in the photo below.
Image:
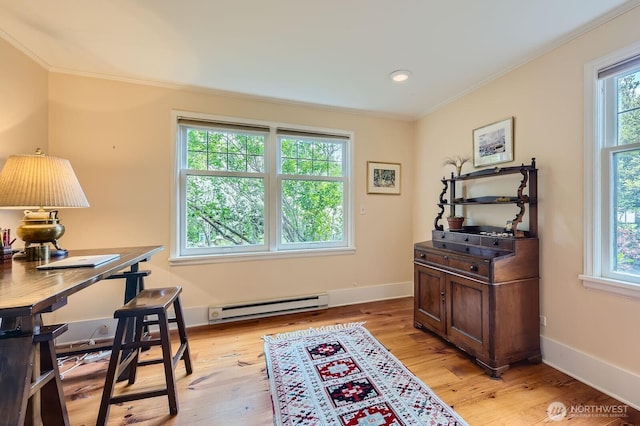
466	238
442	235
422	255
473	268
496	242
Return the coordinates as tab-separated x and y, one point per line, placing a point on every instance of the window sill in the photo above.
622	288
247	257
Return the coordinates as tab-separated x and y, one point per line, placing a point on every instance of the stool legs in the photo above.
167	361
126	354
52	395
112	372
137	328
183	351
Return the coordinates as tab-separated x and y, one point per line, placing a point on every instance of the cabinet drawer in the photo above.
442	236
419	255
501	243
444	245
470	266
422	256
466	238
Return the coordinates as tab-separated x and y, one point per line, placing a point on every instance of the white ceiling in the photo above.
337	53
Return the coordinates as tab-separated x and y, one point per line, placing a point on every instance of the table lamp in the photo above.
40	182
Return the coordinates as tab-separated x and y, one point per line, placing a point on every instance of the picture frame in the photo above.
383	178
493	143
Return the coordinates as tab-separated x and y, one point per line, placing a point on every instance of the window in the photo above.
256	189
311	185
612	176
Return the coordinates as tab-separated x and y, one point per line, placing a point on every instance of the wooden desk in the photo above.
26	293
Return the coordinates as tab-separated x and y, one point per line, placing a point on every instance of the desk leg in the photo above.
52	394
34	405
134	284
15	375
31	390
46	405
134	281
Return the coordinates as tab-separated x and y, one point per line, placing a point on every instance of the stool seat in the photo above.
149	302
125	354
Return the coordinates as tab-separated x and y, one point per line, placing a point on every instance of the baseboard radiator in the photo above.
267	308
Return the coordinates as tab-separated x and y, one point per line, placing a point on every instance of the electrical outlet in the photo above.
543	320
215	313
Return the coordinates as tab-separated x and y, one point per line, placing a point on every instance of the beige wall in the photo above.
118	136
546	98
23	111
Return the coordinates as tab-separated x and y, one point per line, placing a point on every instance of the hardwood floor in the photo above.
229	385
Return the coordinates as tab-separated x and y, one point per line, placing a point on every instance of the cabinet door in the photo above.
468	314
429	309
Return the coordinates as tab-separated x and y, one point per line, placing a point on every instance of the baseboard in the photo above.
614	381
81	331
352	296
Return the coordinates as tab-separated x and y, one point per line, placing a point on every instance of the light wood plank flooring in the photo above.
229	385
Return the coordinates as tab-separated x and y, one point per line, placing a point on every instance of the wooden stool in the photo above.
149	302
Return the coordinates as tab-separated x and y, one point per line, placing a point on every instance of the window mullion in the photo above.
274	193
606	212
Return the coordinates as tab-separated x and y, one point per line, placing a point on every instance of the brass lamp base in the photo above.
41	227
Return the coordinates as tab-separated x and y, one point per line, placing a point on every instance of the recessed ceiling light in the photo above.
400	75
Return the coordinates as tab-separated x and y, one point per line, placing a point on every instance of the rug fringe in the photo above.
311	331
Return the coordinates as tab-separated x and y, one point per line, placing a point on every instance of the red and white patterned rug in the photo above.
342	375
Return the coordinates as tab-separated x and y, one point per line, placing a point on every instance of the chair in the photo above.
152	303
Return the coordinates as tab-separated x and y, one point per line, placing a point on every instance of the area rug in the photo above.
342	375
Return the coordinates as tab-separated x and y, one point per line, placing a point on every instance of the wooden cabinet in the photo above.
478	287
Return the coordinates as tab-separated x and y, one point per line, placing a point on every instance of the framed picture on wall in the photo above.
493	143
383	178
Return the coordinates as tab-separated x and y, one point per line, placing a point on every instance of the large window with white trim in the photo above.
613	175
246	188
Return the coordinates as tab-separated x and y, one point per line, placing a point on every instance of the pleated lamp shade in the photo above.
39	181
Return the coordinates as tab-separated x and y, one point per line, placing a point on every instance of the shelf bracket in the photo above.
522	199
443	201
